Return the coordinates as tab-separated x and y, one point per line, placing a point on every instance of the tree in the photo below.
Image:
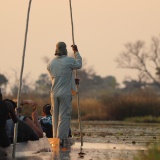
91	83
43	84
145	61
110	82
3	80
26	85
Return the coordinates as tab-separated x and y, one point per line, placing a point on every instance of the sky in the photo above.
101	29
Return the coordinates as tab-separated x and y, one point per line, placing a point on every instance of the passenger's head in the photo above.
61	49
14	104
46	109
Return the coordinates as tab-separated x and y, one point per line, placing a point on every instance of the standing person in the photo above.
61	69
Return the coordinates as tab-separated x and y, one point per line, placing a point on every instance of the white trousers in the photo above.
61	115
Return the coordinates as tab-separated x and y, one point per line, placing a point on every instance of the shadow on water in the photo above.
81	153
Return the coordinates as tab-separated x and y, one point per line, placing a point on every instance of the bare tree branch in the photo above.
155	50
136	57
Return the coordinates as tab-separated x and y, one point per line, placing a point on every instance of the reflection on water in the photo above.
61	155
89	151
74	152
102	140
58	152
30	158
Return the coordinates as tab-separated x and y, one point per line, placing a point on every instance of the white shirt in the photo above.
61	71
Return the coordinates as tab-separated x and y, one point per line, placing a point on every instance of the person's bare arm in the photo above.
35	120
38	130
34	124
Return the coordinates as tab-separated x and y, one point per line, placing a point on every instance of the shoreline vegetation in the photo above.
153	153
139	106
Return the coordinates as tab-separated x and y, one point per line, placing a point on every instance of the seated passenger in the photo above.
24	133
46	122
6	109
32	122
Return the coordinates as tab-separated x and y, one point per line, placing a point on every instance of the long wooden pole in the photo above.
20	82
76	75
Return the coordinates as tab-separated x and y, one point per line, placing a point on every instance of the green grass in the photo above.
145	119
153	153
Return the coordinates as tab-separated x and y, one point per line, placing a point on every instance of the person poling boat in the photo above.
61	69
